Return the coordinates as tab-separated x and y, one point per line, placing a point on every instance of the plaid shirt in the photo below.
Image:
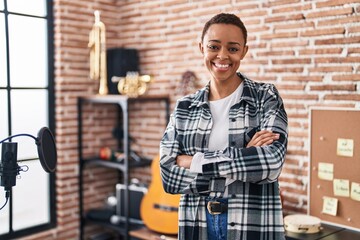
254	206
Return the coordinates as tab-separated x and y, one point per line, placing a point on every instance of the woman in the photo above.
224	147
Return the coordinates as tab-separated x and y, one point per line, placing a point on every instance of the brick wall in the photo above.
309	49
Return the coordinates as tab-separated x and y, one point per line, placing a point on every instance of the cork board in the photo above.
335	166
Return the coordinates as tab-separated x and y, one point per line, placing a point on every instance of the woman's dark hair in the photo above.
225	18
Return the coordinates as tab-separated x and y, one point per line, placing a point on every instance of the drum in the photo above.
301	223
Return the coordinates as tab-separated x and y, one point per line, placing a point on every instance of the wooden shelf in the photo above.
123	166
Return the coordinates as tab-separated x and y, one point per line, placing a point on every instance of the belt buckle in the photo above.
209	207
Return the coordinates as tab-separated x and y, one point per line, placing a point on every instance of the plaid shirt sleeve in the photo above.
178	179
256	164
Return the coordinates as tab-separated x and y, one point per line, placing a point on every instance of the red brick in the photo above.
331	69
290	87
333	87
284	69
253	45
303	78
339	21
298	8
320	32
258	13
332	12
292	43
279	35
350	77
355	29
171	3
344	97
301	96
243	6
294	106
264	79
291	61
331	3
275	53
320	51
249	22
295	26
333	105
293	124
338	60
284	18
342	40
274	3
258	29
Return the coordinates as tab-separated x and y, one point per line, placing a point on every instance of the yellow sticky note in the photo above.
355	191
345	147
326	171
341	187
330	206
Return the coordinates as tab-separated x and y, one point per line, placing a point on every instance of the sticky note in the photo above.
330	206
326	171
355	191
345	147
341	187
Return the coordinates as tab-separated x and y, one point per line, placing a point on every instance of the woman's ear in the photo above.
246	48
201	47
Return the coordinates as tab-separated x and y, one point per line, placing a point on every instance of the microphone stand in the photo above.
9	168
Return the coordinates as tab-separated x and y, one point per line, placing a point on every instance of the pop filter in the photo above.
46	149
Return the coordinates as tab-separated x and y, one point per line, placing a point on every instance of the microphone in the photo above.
8	165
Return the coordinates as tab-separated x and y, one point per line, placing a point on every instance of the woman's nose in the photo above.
223	54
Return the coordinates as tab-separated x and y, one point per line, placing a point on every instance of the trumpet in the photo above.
133	84
97	45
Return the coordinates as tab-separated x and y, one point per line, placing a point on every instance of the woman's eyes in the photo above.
215	48
212	47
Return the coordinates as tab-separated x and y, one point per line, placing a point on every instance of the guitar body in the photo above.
159	210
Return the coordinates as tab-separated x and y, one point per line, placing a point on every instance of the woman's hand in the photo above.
184	161
263	138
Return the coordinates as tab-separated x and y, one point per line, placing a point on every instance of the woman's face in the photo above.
223	48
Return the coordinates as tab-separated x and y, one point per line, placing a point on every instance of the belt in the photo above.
215	207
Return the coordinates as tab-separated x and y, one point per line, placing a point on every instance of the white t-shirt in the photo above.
219	136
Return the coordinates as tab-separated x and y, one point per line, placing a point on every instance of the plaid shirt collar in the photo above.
249	95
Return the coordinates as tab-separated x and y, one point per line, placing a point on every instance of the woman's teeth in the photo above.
221	65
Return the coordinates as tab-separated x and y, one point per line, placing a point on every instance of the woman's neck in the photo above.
222	89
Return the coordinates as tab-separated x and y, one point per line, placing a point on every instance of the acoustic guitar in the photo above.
158	209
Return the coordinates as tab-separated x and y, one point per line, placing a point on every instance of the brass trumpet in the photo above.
97	45
132	85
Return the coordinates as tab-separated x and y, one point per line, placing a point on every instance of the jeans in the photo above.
217	224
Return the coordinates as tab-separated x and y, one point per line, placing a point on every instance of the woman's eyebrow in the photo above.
214	40
234	43
218	41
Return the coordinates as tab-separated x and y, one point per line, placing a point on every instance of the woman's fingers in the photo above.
263	138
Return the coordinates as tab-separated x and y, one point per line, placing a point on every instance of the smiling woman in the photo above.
27	104
225	145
